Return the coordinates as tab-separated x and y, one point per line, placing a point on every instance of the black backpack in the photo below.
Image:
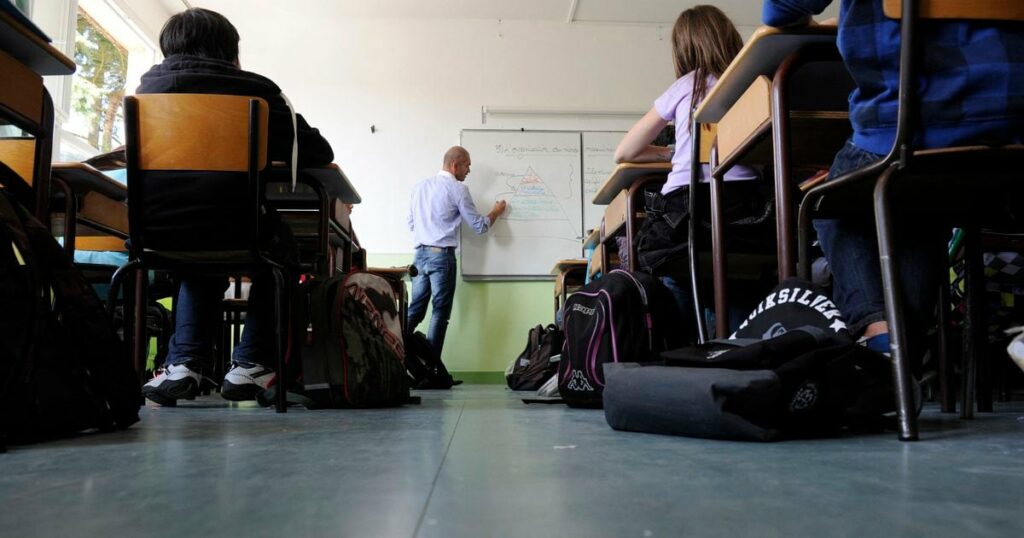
424	365
621	317
773	381
533	367
345	345
63	369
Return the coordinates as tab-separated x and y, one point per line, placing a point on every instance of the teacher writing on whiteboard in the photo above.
437	206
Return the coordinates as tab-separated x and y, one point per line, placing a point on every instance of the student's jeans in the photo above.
434	282
197	310
851	247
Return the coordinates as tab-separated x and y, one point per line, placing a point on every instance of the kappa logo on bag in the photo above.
578	382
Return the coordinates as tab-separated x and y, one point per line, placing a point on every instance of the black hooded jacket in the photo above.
185	207
179	73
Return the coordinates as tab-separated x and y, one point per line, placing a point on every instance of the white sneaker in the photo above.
243	382
174	383
1016	347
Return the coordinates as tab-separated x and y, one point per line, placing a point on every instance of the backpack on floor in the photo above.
779	381
346	346
621	317
424	365
63	369
533	367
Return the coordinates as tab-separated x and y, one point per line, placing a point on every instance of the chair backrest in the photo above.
202	153
19	154
198	132
999	10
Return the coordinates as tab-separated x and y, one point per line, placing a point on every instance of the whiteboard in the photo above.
539	174
598	165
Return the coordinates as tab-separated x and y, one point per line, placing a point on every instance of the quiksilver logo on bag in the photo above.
578	382
583	310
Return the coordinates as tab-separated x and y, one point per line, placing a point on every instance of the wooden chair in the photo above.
170	136
955	181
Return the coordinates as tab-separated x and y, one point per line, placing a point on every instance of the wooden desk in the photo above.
24	59
620	192
568	274
317	213
592	239
93	199
771	121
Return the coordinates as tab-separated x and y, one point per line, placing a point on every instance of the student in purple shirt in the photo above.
437	207
704	42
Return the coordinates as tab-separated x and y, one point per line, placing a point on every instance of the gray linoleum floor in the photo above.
476	462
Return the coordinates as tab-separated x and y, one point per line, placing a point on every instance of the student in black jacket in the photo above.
201	56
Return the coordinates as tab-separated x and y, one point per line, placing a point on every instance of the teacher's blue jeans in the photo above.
434	282
851	247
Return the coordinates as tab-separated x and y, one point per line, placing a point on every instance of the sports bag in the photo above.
63	369
533	367
424	365
771	380
348	338
621	317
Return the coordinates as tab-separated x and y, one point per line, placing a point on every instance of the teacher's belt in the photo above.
437	250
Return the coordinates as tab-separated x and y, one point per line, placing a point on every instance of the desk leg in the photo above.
70	217
718	251
43	157
781	155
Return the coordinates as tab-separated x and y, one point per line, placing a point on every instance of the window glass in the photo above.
96	119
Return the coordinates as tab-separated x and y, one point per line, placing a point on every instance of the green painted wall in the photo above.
489	322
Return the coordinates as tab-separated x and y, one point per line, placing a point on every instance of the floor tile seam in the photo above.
437	475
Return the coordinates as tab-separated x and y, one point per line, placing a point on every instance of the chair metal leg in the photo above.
947	397
803	231
116	281
140	337
973	330
279	317
893	293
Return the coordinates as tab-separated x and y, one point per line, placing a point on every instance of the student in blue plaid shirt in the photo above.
971	89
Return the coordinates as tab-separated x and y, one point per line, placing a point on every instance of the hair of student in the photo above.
200	32
454	154
704	41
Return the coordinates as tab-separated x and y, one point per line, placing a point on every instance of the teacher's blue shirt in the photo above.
437	206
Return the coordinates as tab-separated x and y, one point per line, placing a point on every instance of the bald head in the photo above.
456	161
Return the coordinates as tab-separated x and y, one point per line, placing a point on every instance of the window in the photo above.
95	122
113	43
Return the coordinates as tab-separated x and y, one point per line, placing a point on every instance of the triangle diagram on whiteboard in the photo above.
532	200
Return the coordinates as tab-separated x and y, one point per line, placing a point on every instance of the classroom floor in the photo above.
476	462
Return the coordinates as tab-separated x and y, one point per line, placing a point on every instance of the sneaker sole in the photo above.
239	393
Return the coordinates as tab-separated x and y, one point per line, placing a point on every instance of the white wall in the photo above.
421	81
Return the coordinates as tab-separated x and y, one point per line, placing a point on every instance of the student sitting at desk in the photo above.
201	56
971	90
704	42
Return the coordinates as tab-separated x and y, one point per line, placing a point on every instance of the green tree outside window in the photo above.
98	87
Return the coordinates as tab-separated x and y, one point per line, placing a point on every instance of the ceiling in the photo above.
742	12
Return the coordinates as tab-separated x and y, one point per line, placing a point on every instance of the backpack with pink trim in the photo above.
621	317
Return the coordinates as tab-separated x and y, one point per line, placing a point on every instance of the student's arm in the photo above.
314	150
636	146
790	13
467	209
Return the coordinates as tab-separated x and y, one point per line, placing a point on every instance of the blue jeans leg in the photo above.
197	312
435	282
256	346
851	247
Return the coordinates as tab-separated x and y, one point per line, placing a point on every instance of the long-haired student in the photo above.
704	42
